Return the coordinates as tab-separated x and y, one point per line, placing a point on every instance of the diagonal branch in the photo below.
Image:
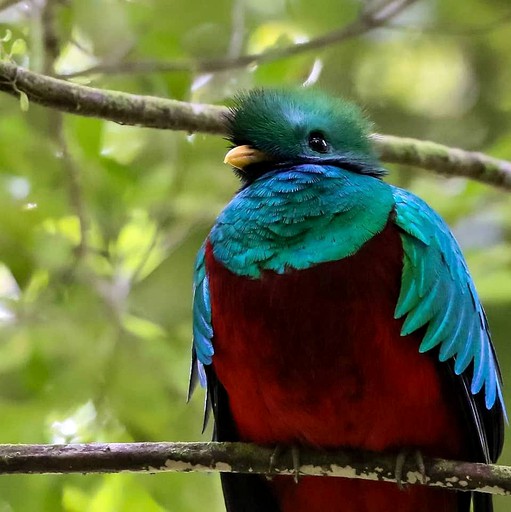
154	112
366	22
120	107
443	159
247	458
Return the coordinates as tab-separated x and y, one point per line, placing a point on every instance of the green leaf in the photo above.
19	47
24	102
6	37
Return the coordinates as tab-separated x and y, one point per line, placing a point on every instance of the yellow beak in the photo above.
241	156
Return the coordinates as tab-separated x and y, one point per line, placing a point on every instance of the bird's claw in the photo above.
295	456
421	466
277	452
401	458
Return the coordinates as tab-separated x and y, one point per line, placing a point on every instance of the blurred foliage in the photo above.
100	223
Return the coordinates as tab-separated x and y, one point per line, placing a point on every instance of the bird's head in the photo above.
271	129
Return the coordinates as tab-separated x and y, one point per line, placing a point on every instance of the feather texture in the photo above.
202	328
437	291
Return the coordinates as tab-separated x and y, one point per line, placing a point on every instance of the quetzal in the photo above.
332	309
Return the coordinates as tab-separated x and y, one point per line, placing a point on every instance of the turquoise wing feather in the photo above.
438	292
202	349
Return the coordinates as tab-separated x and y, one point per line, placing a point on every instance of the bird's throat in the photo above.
299	217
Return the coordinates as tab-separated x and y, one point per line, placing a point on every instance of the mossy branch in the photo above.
444	159
247	458
154	112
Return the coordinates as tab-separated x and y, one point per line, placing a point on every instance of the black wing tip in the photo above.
194	376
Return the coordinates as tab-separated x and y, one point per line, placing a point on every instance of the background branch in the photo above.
367	21
154	112
51	51
246	458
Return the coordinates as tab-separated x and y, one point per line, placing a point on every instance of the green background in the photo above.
94	340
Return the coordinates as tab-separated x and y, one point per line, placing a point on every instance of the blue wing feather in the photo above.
437	291
202	348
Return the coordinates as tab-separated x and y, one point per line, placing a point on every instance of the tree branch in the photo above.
443	159
153	112
246	458
366	22
120	107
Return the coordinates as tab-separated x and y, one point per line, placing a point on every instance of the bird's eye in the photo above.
318	143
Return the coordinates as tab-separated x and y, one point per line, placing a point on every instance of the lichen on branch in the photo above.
248	458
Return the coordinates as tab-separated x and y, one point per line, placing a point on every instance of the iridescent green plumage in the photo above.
281	119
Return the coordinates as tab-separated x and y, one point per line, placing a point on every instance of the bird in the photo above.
334	310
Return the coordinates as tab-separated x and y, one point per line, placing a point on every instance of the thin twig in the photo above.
366	22
51	51
247	458
76	198
154	112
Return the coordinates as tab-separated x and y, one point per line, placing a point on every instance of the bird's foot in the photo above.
401	459
295	457
274	457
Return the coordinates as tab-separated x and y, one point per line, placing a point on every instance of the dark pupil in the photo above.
318	143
